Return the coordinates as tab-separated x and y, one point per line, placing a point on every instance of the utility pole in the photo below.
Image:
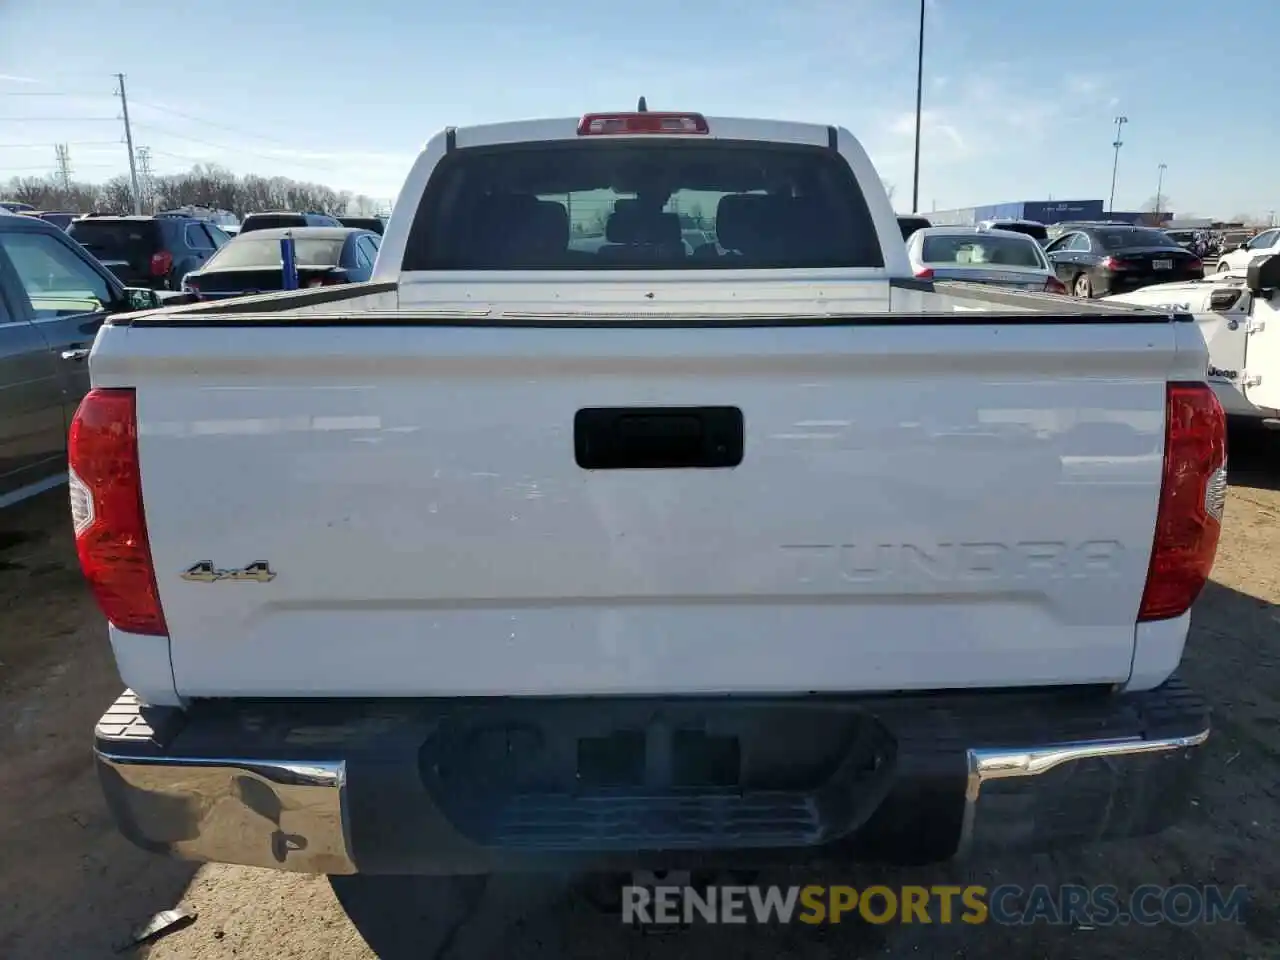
1159	187
128	139
63	175
1120	122
144	176
915	178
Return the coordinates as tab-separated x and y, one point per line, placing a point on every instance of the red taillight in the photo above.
924	273
601	124
1193	493
1111	263
107	513
161	263
1054	285
1192	266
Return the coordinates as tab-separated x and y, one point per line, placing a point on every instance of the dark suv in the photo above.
155	252
271	220
373	224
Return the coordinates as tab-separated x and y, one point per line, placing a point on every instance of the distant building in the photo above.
1042	211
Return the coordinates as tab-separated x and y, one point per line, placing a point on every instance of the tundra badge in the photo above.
206	572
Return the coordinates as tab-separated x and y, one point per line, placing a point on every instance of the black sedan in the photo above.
1094	261
252	262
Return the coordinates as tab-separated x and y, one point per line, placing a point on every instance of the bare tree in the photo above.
1160	204
32	190
204	185
115	196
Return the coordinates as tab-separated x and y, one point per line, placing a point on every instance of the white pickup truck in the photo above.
557	543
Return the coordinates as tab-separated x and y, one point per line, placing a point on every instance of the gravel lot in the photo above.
71	888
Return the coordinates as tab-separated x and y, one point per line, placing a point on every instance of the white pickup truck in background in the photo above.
1239	316
559	544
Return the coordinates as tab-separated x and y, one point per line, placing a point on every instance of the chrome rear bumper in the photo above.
344	788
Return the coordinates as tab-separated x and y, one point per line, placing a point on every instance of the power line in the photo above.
59	119
50	93
70	143
6	170
241	150
211	123
176	156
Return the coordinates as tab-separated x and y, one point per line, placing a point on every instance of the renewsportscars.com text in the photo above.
1007	904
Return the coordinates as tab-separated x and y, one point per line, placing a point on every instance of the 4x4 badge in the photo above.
206	572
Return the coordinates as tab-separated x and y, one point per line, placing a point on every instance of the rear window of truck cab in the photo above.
630	204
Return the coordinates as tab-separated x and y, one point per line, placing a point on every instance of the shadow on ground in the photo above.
70	885
1254	456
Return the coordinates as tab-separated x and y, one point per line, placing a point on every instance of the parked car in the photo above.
1032	228
16	206
1098	260
528	557
1055	230
910	223
269	220
53	298
223	219
251	263
58	218
1002	258
372	224
1265	244
149	251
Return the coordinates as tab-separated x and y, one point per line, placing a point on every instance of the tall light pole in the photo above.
1115	165
1159	186
915	179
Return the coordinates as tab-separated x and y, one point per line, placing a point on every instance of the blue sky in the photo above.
1019	97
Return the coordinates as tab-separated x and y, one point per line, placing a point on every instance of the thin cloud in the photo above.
14	78
339	156
931	121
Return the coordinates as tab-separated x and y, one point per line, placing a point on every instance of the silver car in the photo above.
999	257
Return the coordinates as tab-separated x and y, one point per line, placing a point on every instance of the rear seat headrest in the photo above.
741	219
757	224
518	226
548	224
632	223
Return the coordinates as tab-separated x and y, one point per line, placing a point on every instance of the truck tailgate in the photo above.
966	503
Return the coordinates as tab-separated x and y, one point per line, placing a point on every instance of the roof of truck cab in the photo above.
566	128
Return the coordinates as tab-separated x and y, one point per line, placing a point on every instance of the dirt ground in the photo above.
70	887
